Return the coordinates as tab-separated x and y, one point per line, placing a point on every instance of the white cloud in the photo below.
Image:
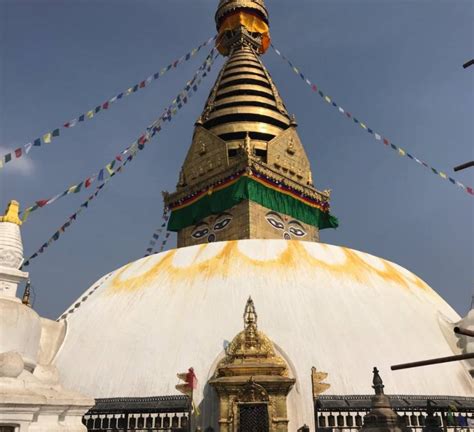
23	166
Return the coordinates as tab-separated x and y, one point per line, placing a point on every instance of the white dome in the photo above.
337	309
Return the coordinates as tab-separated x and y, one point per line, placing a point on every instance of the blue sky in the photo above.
396	65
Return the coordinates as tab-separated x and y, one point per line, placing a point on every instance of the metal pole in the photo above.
467	64
464	166
463	331
433	361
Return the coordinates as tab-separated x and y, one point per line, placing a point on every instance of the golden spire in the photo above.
11	213
245	136
250	322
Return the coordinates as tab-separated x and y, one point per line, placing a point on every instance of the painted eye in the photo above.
198	234
277	224
297	232
222	224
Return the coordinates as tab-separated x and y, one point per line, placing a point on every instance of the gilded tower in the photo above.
246	174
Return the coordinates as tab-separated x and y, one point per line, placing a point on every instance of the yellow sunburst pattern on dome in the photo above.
278	258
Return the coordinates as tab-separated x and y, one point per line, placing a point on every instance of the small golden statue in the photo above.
11	214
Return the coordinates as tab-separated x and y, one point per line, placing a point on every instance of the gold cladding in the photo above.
250	110
246	126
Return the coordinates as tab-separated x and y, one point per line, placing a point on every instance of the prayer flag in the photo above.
18	152
47	138
26	214
101	175
105	105
78	187
41	203
28	147
55	132
81	118
37	142
90	114
109	169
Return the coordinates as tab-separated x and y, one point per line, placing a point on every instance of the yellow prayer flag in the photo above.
71	189
362	125
327	99
402	152
109	169
47	138
90	114
442	174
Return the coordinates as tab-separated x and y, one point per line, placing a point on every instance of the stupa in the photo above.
32	398
248	220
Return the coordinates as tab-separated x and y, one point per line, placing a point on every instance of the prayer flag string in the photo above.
48	137
169	112
400	151
157	233
138	144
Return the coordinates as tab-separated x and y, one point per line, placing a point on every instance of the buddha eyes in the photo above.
200	233
291	228
297	232
222	224
203	230
276	223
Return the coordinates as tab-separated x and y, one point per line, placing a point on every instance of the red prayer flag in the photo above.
470	190
191	378
348	114
88	182
18	152
105	105
314	87
142	140
41	203
385	141
142	84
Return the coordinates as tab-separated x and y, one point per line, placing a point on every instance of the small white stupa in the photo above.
31	396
